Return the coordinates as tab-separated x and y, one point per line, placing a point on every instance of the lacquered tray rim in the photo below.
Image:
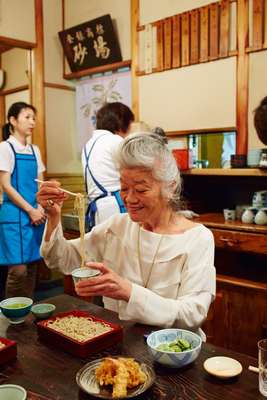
42	325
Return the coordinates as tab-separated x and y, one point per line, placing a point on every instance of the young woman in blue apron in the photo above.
21	219
102	179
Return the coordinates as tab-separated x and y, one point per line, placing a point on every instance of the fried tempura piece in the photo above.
136	375
120	381
122	373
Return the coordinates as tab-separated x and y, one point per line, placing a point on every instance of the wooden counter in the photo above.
238	316
48	371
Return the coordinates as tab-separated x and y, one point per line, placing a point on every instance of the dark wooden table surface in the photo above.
51	372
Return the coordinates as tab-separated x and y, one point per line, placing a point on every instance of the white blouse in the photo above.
180	286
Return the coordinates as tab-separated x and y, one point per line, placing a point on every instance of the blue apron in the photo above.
19	239
92	207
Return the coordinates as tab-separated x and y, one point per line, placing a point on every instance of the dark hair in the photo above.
14	111
114	117
160	132
260	120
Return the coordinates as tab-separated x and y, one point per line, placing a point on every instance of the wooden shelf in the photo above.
227	172
216	220
244	283
96	70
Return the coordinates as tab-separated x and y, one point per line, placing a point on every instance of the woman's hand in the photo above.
109	284
37	215
51	198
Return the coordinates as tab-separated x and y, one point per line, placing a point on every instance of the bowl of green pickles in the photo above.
15	309
174	347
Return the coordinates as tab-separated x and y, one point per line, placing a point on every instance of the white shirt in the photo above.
181	285
101	162
7	159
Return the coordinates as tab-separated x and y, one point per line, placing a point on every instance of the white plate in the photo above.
223	367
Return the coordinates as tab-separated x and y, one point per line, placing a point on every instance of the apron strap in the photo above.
92	207
87	168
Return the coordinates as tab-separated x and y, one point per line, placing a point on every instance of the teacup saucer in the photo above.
223	367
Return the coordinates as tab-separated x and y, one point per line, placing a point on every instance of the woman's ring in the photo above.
49	203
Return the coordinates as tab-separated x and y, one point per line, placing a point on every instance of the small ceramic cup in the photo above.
249	215
80	274
261	217
229	214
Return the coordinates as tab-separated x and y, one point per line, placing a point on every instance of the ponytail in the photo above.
6	131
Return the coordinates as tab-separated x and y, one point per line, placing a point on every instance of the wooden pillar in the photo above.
242	77
2	110
135	49
37	84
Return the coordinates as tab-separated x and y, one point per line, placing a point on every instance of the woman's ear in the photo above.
12	121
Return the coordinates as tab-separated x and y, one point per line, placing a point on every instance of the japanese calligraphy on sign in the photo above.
91	44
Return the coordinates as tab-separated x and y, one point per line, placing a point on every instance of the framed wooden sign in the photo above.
91	44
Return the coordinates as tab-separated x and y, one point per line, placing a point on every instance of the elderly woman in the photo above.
156	265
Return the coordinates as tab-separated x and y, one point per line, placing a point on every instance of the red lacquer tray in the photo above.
80	349
9	352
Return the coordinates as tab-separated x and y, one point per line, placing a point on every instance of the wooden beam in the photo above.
97	70
135	50
242	78
38	94
16	43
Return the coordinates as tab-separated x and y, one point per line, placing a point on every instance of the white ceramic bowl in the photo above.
79	274
12	392
16	308
43	310
169	358
223	367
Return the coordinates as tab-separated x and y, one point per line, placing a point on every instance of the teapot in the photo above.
261	217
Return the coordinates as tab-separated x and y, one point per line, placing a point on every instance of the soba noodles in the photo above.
78	328
79	207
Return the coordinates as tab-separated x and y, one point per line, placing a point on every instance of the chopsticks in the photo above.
62	190
254	369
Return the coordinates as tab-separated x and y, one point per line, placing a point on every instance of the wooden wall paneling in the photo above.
185	51
224	27
176	41
257	24
38	95
214	31
167	40
242	78
204	34
135	46
194	36
160	50
265	25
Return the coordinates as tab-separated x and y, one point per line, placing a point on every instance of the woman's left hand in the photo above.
109	284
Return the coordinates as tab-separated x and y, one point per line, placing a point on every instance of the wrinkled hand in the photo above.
109	284
37	216
51	198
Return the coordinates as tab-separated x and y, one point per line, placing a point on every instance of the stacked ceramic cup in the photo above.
260	202
253	159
